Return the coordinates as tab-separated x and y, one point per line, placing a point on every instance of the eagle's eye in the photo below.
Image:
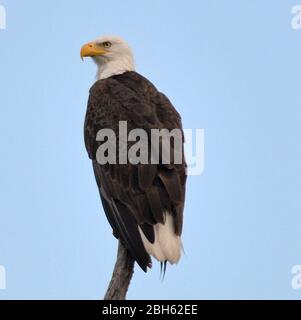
107	44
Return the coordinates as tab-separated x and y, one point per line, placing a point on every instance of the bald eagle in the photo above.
143	202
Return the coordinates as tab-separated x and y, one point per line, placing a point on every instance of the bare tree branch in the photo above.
122	275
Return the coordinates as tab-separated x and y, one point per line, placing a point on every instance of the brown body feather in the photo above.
135	195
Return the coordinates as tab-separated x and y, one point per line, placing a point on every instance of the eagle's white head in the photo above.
111	54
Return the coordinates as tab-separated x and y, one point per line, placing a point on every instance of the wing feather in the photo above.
134	196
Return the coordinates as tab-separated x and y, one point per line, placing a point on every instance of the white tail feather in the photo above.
167	245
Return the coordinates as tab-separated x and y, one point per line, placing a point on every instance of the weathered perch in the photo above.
122	275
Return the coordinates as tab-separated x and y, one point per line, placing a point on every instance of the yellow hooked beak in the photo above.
91	49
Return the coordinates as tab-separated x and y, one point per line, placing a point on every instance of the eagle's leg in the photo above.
122	275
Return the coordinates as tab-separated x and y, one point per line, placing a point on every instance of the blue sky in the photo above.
230	67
